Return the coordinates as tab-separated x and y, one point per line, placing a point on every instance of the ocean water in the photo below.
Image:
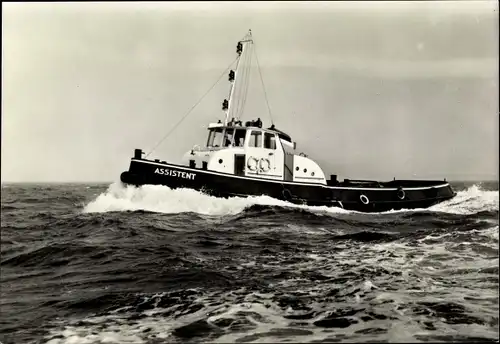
110	264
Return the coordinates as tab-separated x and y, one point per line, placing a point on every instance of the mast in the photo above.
227	104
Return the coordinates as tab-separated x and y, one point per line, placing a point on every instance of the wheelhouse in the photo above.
226	136
220	136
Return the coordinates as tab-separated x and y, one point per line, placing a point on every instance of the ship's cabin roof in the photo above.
239	131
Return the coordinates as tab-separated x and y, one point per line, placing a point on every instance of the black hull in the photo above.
363	196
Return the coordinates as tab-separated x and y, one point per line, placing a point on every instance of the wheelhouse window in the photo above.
269	141
239	137
215	137
228	137
255	139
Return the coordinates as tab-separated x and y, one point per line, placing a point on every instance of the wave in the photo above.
470	201
162	199
50	255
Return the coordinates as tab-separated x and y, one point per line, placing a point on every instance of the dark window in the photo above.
269	141
239	137
256	139
228	137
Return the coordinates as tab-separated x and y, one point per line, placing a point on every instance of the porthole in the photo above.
401	193
312	174
297	168
305	170
220	161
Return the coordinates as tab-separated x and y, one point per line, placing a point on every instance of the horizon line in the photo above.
111	182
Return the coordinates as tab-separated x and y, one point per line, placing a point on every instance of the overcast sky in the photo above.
368	89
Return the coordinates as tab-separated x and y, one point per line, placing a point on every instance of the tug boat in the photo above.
245	159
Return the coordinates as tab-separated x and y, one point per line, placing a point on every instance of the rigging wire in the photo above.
235	98
241	79
239	93
191	109
246	83
263	87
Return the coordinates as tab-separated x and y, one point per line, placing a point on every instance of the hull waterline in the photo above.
363	196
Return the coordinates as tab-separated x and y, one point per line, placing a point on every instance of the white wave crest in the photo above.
162	199
470	201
